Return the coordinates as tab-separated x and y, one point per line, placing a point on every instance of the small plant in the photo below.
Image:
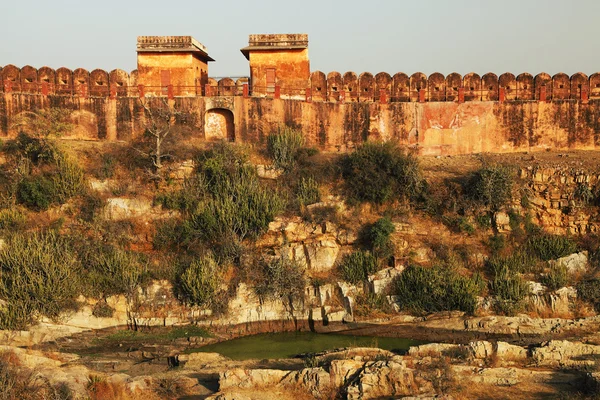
310	361
425	290
283	147
550	247
112	270
198	282
520	261
307	192
102	310
381	172
35	192
584	194
589	291
491	186
39	274
279	278
459	224
12	219
556	278
379	238
357	266
510	291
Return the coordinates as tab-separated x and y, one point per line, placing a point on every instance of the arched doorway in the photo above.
218	124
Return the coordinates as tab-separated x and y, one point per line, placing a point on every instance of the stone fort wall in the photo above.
437	115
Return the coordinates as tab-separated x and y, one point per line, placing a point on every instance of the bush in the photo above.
550	247
280	278
556	278
112	271
589	291
510	291
198	282
69	180
307	192
357	266
35	192
223	204
379	238
491	186
283	147
519	261
12	219
39	274
380	172
426	290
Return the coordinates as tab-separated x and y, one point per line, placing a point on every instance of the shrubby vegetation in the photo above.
278	278
198	281
510	290
426	290
357	266
491	186
378	239
223	204
381	172
284	146
39	275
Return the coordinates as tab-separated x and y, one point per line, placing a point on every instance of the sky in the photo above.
368	35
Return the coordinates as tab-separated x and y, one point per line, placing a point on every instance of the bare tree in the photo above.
159	123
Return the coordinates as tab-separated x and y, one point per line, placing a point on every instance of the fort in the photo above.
436	114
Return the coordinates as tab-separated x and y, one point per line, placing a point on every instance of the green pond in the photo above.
290	344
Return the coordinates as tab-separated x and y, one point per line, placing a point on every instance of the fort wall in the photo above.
437	115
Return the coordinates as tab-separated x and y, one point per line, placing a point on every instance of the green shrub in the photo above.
550	247
357	266
426	290
39	274
307	192
379	238
589	291
279	278
111	271
12	219
223	204
69	181
491	186
283	147
510	290
35	192
91	206
366	304
198	282
459	224
556	278
519	261
380	172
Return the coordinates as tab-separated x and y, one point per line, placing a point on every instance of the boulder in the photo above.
249	378
322	254
509	352
432	349
379	282
562	352
382	379
481	349
575	263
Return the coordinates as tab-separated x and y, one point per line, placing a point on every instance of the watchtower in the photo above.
278	60
180	61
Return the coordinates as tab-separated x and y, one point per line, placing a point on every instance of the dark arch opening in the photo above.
219	124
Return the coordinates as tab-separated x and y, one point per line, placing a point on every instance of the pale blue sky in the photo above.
375	35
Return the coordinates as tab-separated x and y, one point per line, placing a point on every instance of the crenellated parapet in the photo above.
334	86
63	81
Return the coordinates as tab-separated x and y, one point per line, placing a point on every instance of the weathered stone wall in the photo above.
433	128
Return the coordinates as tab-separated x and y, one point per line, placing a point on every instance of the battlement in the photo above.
279	40
171	44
